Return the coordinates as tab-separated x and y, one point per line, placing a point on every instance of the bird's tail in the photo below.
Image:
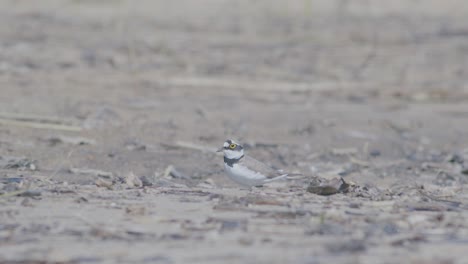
277	178
288	176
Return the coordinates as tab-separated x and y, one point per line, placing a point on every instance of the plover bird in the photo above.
245	170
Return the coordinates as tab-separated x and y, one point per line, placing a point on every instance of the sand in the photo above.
110	112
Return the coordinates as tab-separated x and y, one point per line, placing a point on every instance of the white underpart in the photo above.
244	176
233	154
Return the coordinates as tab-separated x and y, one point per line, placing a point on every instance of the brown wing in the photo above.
260	167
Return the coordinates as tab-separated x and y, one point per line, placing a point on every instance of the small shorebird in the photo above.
245	170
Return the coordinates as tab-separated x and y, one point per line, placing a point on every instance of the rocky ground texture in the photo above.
110	112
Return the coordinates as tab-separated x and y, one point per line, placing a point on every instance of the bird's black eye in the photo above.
232	146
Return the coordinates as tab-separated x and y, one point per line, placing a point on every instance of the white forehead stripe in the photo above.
226	144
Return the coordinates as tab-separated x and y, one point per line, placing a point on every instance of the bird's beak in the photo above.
219	150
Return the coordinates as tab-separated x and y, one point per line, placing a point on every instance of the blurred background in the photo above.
373	91
315	75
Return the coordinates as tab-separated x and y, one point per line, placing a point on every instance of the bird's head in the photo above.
232	149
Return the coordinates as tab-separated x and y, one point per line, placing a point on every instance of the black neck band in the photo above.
230	162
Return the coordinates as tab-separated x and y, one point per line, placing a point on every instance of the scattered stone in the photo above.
228	225
328	187
405	240
445	179
146	181
96	173
100	182
26	202
344	151
11	180
30	193
348	246
430	206
171	171
17	163
102	118
135	210
134	145
246	241
55	140
133	181
331	229
304	130
81	200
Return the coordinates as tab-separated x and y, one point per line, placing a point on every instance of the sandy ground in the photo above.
110	112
